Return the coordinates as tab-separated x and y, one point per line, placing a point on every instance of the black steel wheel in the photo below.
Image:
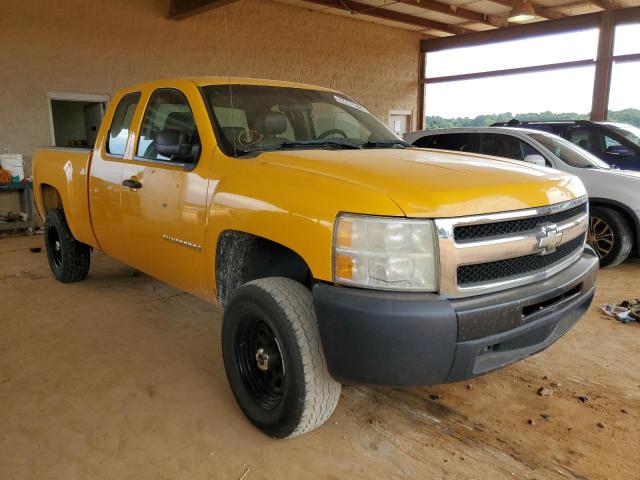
260	362
69	259
609	235
273	358
53	239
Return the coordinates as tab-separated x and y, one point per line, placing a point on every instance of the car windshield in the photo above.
253	118
568	152
629	132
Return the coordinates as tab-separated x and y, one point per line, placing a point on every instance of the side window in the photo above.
583	138
119	131
613	147
168	121
424	142
453	141
502	146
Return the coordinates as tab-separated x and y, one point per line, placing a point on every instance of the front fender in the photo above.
295	209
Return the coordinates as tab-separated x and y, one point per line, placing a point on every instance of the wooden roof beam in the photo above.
456	11
542	12
357	8
604	4
181	9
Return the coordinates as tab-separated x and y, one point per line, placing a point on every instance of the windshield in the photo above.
568	152
252	118
629	132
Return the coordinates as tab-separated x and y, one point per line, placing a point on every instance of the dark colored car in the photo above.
617	144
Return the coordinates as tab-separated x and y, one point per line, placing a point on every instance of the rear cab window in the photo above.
121	124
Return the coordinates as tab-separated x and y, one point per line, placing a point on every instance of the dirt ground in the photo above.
121	377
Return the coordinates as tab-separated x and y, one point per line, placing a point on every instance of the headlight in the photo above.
385	253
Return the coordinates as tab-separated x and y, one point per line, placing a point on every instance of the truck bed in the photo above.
60	180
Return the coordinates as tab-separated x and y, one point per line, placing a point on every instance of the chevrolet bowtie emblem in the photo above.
549	239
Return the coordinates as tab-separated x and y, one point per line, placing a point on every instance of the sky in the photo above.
567	90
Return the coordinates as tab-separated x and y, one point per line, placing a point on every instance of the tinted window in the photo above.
614	147
569	152
119	131
424	142
584	139
505	146
168	109
452	141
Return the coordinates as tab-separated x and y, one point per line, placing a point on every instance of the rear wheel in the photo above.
69	259
610	236
274	359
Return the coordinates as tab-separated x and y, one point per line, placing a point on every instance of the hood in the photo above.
434	183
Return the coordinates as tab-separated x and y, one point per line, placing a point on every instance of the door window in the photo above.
504	146
121	123
584	139
614	147
168	118
452	141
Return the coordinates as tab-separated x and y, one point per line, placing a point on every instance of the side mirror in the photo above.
536	160
175	145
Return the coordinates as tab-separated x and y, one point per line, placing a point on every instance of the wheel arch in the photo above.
50	198
241	257
626	212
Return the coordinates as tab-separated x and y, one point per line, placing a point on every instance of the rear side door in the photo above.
107	166
164	196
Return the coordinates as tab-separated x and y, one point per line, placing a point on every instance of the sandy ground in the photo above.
121	377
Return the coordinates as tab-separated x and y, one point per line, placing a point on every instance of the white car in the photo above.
614	195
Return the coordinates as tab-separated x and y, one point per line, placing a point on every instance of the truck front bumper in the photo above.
409	339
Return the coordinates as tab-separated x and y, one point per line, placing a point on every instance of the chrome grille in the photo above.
486	253
483	272
474	232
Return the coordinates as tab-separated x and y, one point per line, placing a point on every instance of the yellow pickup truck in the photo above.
340	253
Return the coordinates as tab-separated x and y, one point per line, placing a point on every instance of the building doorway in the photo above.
75	118
400	121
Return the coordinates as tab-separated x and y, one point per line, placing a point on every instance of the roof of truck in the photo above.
203	81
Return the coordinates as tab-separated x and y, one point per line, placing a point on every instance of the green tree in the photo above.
629	115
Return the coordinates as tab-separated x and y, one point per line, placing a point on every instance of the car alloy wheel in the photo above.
600	236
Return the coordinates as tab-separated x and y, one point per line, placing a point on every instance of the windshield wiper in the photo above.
386	144
339	143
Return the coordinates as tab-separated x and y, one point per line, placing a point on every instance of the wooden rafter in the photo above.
187	8
605	4
455	11
543	12
358	8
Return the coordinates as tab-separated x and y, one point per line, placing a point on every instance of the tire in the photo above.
69	259
610	236
274	359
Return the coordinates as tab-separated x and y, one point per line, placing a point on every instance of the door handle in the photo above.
131	183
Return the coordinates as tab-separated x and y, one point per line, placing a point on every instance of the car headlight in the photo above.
385	253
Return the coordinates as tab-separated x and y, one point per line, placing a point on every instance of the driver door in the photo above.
164	196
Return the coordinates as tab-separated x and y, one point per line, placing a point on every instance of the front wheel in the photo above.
610	236
274	359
